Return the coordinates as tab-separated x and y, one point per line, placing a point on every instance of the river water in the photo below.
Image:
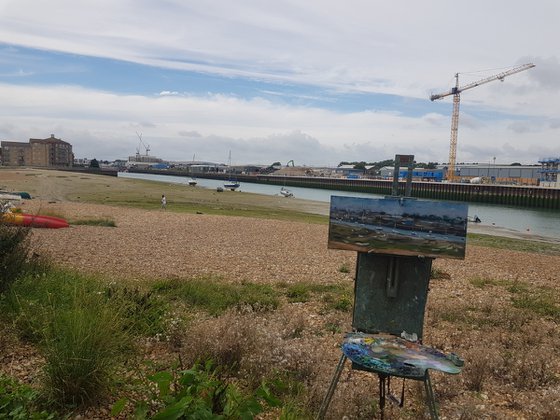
513	219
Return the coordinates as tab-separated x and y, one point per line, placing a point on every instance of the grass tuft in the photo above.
104	221
81	332
215	297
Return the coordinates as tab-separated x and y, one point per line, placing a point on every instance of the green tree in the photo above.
94	163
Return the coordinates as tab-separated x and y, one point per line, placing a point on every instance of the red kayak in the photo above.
31	220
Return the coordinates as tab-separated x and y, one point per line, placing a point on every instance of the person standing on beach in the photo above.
163	202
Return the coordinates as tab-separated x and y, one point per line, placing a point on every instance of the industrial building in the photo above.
49	152
549	172
499	174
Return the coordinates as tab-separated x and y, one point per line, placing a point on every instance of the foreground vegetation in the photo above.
89	333
214	347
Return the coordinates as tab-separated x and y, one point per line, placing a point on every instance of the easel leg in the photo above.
332	387
382	394
430	398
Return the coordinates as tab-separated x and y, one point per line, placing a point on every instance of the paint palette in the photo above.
396	356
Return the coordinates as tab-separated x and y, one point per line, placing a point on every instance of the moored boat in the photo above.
286	193
231	185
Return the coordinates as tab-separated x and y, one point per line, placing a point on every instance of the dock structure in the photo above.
550	168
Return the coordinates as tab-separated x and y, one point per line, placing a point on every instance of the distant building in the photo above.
550	168
348	171
49	152
500	174
418	174
143	161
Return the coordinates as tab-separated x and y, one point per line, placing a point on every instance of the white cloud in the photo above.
104	125
406	48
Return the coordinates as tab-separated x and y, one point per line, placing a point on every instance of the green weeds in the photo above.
215	296
199	393
513	244
104	221
542	301
20	402
344	269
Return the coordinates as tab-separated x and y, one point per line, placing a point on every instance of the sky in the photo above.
317	82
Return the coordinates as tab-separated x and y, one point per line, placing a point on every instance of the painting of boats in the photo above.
398	226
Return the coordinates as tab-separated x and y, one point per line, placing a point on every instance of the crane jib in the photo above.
456	90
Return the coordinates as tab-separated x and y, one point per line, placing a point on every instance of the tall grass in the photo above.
81	333
82	345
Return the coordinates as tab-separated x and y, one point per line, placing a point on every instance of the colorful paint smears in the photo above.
396	356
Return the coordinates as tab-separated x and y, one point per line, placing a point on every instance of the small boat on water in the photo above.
286	193
192	182
231	185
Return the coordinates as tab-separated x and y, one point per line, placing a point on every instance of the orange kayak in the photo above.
31	220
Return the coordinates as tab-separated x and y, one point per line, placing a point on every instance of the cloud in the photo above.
401	51
104	125
168	93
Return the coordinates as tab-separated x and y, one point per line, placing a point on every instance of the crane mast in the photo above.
456	92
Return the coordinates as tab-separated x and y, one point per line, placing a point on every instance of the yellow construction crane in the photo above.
456	92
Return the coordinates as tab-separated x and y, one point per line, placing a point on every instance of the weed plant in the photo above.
19	401
200	393
104	221
344	268
215	297
143	311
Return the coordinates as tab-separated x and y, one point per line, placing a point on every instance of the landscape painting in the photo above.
398	226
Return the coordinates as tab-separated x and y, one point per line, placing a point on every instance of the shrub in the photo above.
14	252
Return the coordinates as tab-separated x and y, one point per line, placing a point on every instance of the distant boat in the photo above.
192	182
231	185
286	193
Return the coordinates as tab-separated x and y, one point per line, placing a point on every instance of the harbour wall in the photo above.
508	195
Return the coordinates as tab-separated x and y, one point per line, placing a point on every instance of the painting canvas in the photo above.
398	226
